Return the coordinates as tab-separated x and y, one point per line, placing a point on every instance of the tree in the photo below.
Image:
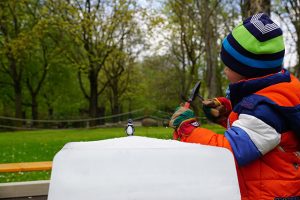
15	40
117	73
161	82
118	67
291	10
251	7
209	26
196	42
35	79
94	27
186	43
38	60
60	96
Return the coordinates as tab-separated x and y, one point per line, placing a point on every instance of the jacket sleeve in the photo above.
250	138
256	131
235	139
252	135
208	137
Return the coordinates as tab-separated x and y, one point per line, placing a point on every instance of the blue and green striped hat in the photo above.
255	47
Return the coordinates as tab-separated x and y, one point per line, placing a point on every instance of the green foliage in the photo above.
63	53
162	86
61	93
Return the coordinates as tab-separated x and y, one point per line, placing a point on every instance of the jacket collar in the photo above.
246	87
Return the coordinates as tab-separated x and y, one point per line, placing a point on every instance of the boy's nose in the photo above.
225	69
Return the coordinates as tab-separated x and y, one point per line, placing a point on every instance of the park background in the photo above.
89	59
74	64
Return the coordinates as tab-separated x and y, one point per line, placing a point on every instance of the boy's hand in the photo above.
181	114
217	110
183	121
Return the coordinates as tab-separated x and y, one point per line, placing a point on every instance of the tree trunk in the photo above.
115	104
251	7
34	110
49	106
116	110
129	108
93	96
211	62
50	112
211	53
16	79
18	103
292	8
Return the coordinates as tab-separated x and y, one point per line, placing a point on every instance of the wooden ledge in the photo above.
26	166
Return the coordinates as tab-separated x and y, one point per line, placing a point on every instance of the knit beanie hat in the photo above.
254	48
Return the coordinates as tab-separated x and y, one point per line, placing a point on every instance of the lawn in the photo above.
42	145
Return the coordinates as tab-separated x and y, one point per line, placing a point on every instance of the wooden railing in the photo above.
28	189
26	166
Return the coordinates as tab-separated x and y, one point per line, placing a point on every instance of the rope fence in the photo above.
71	120
140	116
105	121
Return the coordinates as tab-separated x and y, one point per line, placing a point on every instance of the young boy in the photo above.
261	114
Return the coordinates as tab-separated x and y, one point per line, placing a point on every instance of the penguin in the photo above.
129	130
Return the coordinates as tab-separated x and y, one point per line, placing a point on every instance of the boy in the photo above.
261	114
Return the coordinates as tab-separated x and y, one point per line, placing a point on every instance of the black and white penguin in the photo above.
129	128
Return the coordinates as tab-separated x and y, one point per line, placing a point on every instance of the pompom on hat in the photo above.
254	48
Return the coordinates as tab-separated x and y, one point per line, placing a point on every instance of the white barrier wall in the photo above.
142	168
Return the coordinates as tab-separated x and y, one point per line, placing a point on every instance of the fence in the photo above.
105	121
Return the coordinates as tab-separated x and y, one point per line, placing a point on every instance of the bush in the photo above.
147	122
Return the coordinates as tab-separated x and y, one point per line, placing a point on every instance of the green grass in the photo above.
42	145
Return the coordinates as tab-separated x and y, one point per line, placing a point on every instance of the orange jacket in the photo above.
268	160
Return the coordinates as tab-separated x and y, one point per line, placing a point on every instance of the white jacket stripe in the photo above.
262	135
